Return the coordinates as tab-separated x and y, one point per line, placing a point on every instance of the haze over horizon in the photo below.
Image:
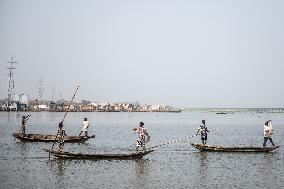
182	53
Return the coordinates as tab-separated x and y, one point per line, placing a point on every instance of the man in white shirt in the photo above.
85	127
203	132
267	133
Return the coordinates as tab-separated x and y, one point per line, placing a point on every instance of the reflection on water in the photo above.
202	169
203	158
57	167
268	163
23	148
140	167
141	173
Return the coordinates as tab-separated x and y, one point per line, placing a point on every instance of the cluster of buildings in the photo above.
22	104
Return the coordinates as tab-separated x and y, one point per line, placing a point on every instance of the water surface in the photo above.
178	165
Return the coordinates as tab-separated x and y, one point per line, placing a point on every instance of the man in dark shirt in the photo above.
60	136
24	121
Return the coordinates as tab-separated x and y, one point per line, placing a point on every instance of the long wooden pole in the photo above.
70	104
174	141
66	112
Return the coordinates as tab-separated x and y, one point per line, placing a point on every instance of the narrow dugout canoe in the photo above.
49	138
233	149
68	155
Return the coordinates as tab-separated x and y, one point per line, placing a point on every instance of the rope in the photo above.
177	140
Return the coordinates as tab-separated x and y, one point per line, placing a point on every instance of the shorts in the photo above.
140	143
84	129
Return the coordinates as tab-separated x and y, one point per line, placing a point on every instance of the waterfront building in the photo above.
156	107
23	103
42	107
118	108
87	108
22	98
86	102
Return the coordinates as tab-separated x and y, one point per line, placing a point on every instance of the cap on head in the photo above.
85	119
266	123
24	117
141	124
203	121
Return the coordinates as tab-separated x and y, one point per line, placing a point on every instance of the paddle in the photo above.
65	115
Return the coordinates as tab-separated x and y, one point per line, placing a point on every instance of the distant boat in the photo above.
49	138
233	149
221	113
68	155
174	111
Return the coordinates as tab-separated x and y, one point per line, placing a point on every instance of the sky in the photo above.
185	53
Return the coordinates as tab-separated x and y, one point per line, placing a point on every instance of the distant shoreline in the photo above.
178	111
214	110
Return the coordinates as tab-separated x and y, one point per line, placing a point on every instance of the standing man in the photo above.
85	127
203	132
267	132
24	121
60	135
143	136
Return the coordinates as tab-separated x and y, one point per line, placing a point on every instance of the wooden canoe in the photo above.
68	155
49	138
233	149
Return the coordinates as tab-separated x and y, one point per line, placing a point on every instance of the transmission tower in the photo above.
11	89
53	93
40	88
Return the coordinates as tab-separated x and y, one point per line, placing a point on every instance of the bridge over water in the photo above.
263	109
238	109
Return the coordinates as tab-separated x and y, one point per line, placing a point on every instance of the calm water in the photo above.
26	165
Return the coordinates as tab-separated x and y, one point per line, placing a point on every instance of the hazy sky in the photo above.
184	53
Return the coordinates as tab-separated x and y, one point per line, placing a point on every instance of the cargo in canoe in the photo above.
49	138
68	155
233	149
